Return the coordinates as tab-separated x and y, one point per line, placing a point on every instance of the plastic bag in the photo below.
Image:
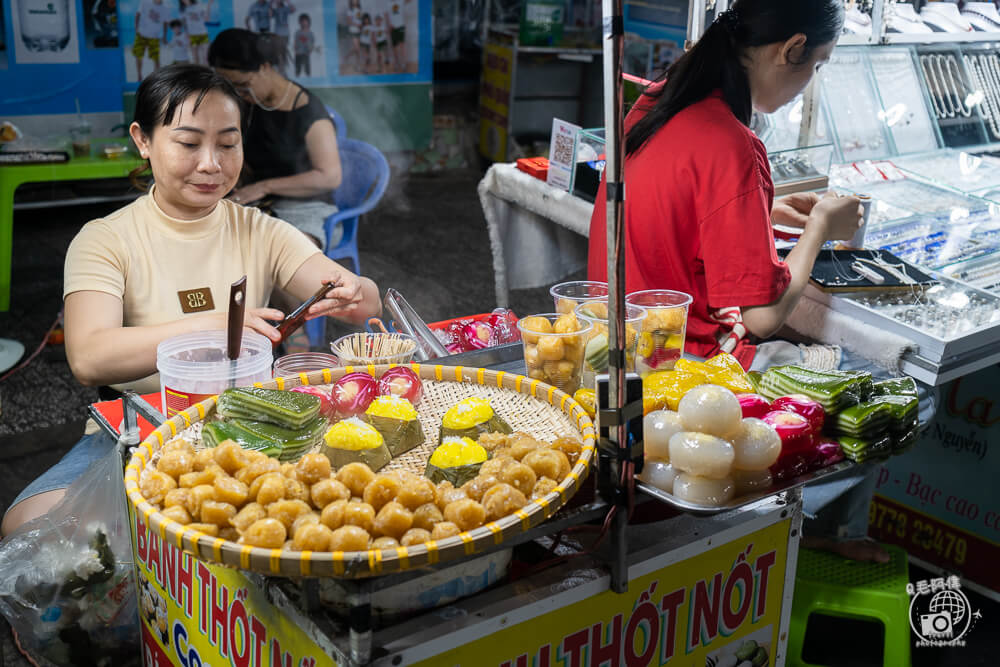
68	581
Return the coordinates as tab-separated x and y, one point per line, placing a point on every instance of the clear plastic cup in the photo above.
360	349
553	354
567	296
303	362
661	336
595	352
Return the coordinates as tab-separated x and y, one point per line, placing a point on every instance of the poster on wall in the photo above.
100	24
378	37
44	31
327	43
938	501
153	33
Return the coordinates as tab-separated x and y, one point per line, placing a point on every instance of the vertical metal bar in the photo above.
359	598
614	124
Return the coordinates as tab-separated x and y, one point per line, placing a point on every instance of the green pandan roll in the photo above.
470	418
396	419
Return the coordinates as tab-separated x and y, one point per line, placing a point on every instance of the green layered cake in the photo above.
288	409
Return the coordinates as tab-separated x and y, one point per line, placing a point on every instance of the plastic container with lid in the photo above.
304	362
194	366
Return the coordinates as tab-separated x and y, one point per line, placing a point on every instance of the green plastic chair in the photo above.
835	586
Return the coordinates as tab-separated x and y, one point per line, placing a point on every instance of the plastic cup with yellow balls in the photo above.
567	296
661	336
595	351
553	348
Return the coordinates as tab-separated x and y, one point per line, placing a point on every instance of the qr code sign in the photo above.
562	150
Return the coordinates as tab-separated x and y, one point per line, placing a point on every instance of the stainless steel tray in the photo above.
745	500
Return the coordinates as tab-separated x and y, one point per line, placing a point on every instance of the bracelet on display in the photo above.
936	91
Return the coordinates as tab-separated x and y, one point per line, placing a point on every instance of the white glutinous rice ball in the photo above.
757	445
657	429
751	481
711	409
701	454
704	491
660	474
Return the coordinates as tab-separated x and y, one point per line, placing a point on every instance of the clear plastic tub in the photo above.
661	337
554	357
595	359
567	296
304	362
194	366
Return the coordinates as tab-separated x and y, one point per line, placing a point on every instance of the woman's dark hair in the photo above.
161	93
246	51
715	62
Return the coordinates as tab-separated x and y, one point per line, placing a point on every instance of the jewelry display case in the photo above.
982	273
955	97
954	325
853	107
904	104
960	170
938	241
800	169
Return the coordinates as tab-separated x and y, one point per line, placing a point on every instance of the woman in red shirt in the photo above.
698	206
699	203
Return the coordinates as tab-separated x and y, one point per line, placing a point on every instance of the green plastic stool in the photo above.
835	586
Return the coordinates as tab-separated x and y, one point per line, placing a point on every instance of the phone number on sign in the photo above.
923	534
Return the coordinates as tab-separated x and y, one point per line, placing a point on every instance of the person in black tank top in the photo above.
292	164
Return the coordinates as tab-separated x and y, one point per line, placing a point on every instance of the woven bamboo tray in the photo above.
528	405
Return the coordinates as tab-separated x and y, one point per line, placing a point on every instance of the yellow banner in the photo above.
195	613
723	604
494	101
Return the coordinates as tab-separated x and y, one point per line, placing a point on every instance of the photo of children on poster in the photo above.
324	41
378	37
297	23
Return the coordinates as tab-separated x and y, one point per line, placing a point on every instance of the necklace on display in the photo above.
957	85
288	90
982	15
945	16
937	94
907	16
991	85
946	94
987	106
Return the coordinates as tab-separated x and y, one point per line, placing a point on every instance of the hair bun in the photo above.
729	19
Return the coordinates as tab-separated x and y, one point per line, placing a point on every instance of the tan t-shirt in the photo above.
159	266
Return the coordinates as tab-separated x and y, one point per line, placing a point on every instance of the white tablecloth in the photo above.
538	233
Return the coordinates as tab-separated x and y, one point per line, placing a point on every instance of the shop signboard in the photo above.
194	613
726	601
494	100
939	500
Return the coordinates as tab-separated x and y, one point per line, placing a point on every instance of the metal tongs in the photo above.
404	319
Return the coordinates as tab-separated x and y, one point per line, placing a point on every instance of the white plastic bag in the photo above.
68	585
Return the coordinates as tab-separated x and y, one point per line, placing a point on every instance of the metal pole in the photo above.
614	124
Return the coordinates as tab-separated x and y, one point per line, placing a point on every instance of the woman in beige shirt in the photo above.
162	266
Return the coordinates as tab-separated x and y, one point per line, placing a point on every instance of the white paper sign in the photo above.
562	154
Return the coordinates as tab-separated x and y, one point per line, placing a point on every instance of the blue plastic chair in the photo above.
365	177
339	126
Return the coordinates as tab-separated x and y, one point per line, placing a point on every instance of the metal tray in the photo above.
745	500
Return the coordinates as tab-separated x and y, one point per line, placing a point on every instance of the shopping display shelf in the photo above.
744	501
